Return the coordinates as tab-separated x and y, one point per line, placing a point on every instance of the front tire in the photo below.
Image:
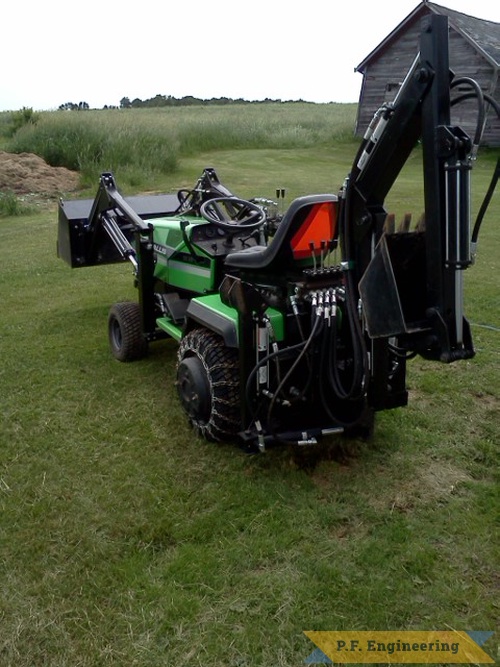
126	339
208	384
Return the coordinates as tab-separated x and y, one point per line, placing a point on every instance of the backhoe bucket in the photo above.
392	288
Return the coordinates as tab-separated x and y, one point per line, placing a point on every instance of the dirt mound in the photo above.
26	173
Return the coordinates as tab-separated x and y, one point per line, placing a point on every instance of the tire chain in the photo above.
221	367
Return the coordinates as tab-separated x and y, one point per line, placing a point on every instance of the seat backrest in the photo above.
308	223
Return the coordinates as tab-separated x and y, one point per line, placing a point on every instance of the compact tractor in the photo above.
298	323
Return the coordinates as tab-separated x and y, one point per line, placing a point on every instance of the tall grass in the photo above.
91	144
280	126
139	144
11	205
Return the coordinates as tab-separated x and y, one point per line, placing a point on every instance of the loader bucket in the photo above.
81	239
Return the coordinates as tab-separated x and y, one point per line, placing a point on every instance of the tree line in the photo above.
167	101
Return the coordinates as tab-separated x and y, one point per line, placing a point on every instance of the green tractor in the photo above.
296	324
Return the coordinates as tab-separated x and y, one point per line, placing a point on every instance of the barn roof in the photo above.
483	35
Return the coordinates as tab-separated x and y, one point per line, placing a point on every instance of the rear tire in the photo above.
126	339
208	384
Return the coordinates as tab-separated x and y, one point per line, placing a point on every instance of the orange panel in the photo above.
319	225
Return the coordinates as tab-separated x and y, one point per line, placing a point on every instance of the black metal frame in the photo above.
420	112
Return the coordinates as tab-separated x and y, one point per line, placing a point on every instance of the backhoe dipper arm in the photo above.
410	284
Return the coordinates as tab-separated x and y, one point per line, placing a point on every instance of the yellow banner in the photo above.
410	646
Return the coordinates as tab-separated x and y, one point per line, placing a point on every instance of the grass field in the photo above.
125	540
142	146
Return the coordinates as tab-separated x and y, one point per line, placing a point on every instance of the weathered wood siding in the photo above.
466	61
492	133
391	66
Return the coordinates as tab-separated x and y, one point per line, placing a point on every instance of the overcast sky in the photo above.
98	51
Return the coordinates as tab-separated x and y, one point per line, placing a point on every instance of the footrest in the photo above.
176	307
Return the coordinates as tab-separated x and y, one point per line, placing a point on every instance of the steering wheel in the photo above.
233	214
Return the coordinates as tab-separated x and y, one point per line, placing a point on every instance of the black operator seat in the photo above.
309	222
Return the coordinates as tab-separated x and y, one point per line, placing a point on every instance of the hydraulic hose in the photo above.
332	369
315	331
360	354
269	357
479	95
328	351
487	98
486	203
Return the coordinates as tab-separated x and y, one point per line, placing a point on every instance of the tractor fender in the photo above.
210	312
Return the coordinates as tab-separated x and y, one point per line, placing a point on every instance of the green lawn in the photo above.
126	540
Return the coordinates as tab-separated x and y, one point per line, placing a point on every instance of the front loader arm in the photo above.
101	230
113	215
109	230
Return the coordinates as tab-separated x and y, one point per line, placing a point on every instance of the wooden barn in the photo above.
474	52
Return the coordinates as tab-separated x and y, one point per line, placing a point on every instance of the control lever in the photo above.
322	246
184	224
280	193
311	247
